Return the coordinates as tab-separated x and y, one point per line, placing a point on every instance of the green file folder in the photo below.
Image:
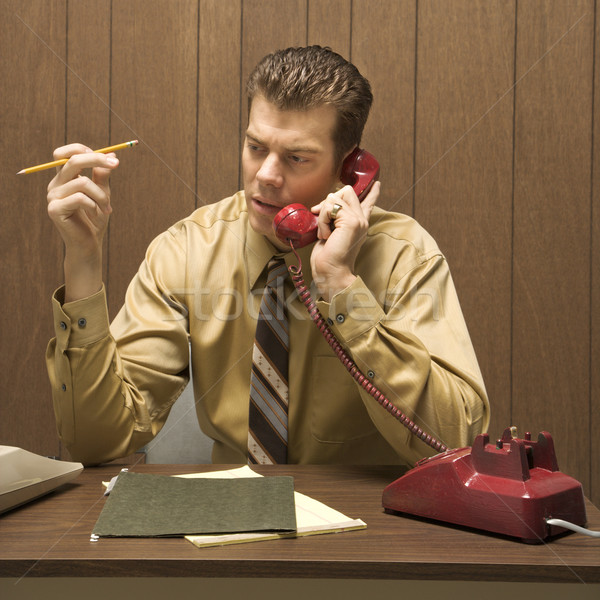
144	505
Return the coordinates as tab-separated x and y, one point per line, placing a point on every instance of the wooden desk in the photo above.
51	538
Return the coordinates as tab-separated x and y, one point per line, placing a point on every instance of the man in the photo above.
379	279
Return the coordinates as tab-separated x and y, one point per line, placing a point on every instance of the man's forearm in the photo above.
83	275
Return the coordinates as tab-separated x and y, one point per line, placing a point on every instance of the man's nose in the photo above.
270	171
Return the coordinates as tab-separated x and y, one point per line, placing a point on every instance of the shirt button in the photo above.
329	322
63	325
370	374
63	387
82	323
340	318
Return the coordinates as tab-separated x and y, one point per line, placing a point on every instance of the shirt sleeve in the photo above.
113	385
414	347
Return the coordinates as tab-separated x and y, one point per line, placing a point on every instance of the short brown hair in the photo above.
305	78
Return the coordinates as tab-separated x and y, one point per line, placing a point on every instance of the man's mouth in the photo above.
266	207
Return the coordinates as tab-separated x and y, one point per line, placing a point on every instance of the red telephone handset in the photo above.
297	224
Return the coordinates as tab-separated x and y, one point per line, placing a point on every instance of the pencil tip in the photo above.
21	172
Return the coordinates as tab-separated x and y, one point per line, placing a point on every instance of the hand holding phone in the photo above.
297	224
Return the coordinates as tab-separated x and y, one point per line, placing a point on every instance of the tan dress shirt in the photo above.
197	294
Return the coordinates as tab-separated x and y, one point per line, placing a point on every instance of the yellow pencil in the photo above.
62	161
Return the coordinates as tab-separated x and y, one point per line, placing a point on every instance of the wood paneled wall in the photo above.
483	122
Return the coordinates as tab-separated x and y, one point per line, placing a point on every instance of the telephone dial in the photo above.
512	487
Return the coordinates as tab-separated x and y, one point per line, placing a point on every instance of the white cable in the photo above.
573	527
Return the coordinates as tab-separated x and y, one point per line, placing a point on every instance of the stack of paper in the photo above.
312	517
228	512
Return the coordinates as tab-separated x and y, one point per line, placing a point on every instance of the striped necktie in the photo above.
268	418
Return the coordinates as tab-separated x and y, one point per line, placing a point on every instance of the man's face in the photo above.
288	157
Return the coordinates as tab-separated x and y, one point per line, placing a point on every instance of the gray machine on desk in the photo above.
25	476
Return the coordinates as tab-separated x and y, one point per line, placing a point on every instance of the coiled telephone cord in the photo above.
313	310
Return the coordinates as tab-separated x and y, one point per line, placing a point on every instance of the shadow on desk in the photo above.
289	589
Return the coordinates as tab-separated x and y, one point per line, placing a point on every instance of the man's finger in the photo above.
371	199
70	150
88	160
101	175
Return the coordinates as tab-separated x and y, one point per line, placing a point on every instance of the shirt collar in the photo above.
259	250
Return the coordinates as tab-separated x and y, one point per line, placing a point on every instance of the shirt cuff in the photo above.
82	322
352	312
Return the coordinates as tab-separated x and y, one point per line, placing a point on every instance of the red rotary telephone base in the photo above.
509	488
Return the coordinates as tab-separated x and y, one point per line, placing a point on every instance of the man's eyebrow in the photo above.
253	138
302	149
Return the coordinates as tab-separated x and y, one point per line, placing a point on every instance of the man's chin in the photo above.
285	246
266	230
279	244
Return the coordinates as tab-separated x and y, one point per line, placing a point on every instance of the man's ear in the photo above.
341	164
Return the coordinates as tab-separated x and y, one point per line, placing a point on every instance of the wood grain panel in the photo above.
32	51
552	226
219	92
594	489
88	76
270	25
267	26
389	133
329	24
154	84
174	76
463	167
88	79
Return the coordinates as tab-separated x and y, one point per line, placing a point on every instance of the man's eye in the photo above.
297	159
